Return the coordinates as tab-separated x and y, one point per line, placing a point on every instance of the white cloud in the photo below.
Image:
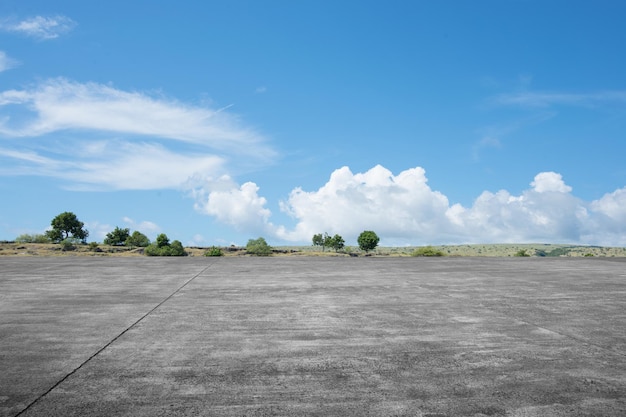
40	27
400	206
238	206
148	228
613	206
158	143
6	62
97	231
59	104
403	209
550	181
113	165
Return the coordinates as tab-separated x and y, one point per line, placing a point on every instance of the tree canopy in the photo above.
368	240
66	225
117	237
137	239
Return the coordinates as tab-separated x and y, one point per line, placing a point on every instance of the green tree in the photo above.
66	225
176	249
325	241
368	240
162	240
258	247
137	239
318	240
117	237
337	243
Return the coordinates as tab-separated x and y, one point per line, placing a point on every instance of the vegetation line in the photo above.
59	382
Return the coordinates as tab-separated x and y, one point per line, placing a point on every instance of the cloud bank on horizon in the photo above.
404	210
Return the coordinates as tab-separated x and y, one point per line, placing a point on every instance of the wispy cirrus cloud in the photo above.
547	99
7	62
40	27
111	165
59	104
98	137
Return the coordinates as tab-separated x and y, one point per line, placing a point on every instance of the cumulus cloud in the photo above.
398	206
403	209
238	206
40	27
154	142
6	62
550	181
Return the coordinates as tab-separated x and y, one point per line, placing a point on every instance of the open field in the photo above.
312	336
508	249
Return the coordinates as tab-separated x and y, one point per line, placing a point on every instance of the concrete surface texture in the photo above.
308	336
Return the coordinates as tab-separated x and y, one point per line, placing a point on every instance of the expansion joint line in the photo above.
60	381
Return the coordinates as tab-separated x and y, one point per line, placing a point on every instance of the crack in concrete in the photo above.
99	351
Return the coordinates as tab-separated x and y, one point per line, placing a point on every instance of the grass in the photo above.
494	250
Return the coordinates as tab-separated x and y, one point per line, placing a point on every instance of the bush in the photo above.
427	251
163	247
258	247
69	244
521	253
138	239
214	251
36	238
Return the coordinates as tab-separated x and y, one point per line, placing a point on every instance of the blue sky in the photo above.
429	122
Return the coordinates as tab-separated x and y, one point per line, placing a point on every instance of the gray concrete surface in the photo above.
312	336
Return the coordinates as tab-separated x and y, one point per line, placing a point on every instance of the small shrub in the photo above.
68	245
559	252
521	253
93	246
258	247
36	238
214	251
427	251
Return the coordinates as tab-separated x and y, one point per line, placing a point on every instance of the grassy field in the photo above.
312	336
502	250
